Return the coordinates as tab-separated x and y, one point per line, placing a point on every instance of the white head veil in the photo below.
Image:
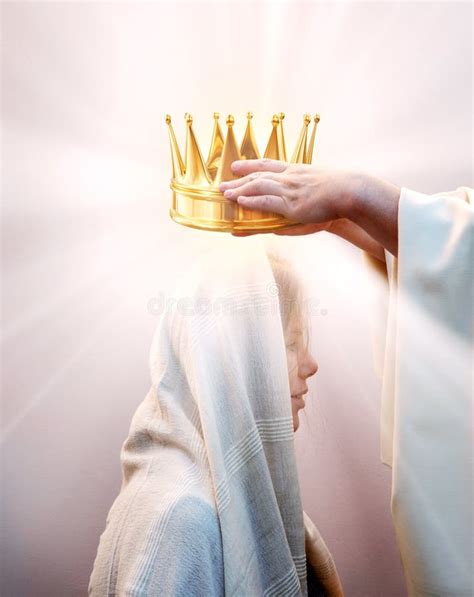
216	429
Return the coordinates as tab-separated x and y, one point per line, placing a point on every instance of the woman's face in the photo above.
301	365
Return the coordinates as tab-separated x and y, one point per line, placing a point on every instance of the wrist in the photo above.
373	206
354	199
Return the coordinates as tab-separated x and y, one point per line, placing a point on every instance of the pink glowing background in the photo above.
88	245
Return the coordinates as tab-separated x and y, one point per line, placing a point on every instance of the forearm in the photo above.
320	559
357	236
373	206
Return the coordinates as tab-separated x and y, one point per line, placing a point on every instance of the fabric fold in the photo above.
212	442
426	409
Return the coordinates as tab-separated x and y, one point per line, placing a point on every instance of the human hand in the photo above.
360	208
299	192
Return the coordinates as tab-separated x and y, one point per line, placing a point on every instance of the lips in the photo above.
299	398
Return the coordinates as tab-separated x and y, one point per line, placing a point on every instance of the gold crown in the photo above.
197	201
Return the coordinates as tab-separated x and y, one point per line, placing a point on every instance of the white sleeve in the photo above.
426	429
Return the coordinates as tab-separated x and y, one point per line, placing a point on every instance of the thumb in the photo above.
300	229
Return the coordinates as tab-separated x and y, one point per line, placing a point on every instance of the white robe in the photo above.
423	353
210	503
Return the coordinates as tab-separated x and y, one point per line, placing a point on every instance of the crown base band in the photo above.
220	214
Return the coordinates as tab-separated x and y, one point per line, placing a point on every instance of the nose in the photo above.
308	367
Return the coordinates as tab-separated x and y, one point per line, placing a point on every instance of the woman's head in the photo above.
301	364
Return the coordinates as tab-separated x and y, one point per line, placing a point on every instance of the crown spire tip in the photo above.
230	120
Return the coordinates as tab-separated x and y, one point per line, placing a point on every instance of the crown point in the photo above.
216	115
281	115
275	119
248	148
188	118
309	151
230	153
176	159
307	119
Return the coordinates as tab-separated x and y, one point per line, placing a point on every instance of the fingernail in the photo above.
235	165
228	193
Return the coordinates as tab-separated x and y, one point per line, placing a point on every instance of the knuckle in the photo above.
291	198
297	210
291	183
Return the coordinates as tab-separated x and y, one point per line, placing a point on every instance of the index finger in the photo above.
238	182
242	167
